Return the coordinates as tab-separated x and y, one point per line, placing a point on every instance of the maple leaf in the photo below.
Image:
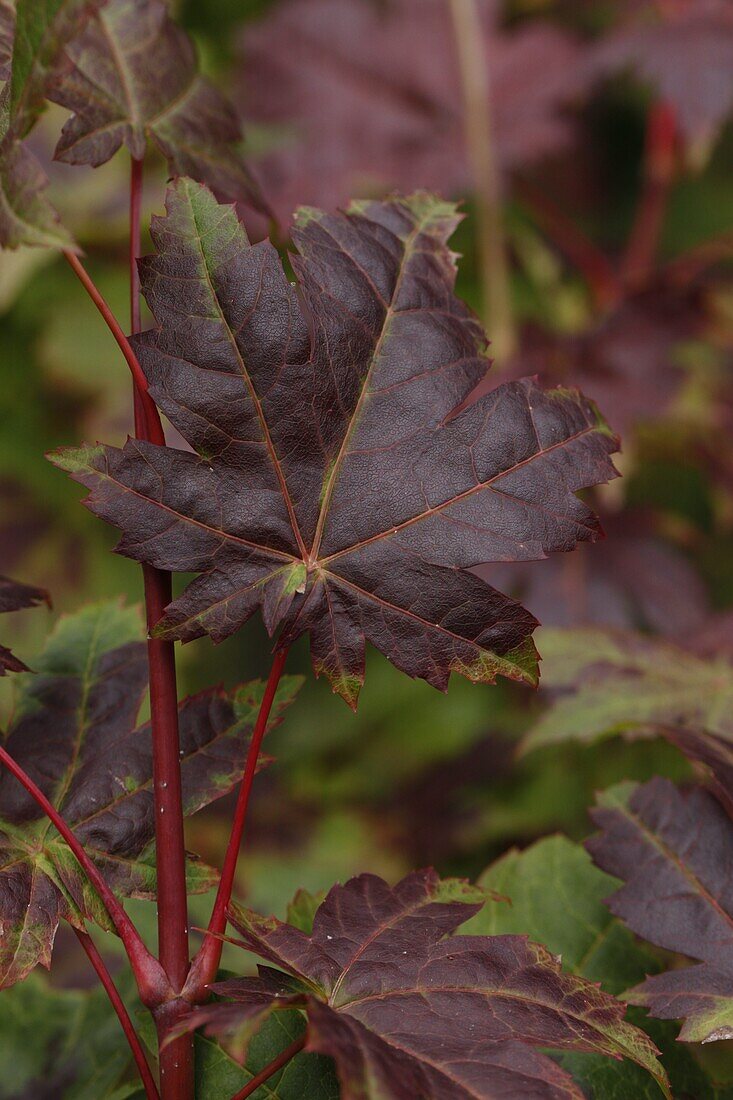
615	682
557	898
367	97
671	848
132	75
685	51
330	485
13	596
407	1009
74	733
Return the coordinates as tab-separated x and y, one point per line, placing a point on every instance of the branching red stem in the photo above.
659	170
149	975
277	1063
105	978
205	965
603	282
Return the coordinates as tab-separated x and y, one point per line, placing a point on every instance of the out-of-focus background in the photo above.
591	147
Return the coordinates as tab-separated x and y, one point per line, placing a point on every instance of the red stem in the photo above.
176	1058
590	261
659	170
105	978
151	980
265	1074
153	427
206	962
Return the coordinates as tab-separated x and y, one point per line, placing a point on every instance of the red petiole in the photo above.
151	980
105	978
206	963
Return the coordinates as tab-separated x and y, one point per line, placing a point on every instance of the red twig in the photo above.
277	1063
586	256
105	978
176	1059
153	427
149	975
206	962
659	170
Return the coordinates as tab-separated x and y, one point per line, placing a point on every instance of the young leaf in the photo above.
331	486
407	1009
132	75
74	733
685	51
311	68
612	682
672	849
13	596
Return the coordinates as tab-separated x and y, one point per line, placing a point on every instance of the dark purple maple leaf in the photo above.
684	50
365	97
74	732
407	1009
331	487
674	851
132	75
13	597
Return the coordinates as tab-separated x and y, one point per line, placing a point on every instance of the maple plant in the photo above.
336	461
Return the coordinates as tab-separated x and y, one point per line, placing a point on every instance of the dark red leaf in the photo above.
673	850
363	98
132	75
74	732
407	1009
13	596
331	487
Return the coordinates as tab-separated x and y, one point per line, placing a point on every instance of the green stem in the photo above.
474	71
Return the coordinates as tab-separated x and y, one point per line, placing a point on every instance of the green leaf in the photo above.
68	1041
305	1077
556	898
611	682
